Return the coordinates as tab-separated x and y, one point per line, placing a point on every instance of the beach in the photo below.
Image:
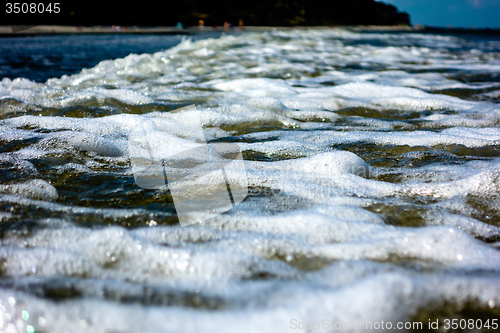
370	159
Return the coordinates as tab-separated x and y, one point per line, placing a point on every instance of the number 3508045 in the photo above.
32	8
470	324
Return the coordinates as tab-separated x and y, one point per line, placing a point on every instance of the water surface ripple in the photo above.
372	160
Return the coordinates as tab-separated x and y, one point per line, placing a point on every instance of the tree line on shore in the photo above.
190	12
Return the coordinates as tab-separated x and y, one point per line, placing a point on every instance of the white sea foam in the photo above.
373	173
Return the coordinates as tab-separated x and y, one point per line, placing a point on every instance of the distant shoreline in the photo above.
6	31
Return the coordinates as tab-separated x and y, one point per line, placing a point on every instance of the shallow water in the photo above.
372	163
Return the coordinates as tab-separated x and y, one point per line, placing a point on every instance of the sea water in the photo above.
372	162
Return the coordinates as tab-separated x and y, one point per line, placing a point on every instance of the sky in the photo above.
454	13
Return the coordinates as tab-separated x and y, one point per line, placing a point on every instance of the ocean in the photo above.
360	178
